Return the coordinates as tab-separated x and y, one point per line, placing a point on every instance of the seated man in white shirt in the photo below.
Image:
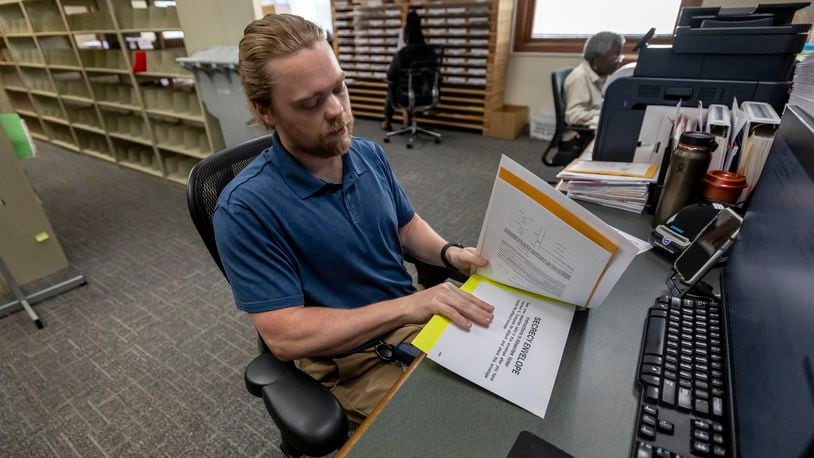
583	87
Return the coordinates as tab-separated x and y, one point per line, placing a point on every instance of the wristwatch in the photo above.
444	258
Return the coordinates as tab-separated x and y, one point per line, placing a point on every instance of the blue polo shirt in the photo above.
288	238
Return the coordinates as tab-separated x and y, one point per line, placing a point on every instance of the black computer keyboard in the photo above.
683	377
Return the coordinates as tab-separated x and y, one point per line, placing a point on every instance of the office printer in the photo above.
717	54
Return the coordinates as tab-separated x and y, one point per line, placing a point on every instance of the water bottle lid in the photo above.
697	139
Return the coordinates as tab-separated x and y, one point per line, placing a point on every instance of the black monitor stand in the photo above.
700	288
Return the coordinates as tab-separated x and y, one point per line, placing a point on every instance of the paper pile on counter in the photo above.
621	185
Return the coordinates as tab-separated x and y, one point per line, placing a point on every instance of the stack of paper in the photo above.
621	185
802	92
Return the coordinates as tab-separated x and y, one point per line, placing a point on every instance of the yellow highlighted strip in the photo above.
428	337
42	236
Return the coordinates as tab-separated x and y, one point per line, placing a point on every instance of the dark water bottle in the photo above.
688	164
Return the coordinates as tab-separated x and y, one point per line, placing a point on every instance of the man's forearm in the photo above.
299	332
421	241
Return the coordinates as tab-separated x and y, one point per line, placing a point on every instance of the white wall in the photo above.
528	75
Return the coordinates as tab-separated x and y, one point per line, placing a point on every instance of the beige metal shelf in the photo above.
117	71
151	29
16	88
66	145
39	136
175	115
44	93
141	168
27	112
56	120
165	75
89	128
184	151
74	98
130	138
116	105
98	154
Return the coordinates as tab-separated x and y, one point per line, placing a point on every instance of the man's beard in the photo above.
335	147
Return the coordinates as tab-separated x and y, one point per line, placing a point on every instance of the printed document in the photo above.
547	257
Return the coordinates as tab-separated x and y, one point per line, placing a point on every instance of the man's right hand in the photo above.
446	299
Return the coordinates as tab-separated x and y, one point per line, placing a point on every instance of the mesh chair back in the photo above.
208	178
417	88
558	91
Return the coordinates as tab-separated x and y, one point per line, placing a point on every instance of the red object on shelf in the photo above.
139	61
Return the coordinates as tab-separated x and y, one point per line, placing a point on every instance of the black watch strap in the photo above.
444	258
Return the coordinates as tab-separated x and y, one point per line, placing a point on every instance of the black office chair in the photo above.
311	421
558	87
417	91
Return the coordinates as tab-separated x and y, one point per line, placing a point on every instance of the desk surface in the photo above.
593	406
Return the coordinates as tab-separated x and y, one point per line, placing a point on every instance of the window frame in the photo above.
524	42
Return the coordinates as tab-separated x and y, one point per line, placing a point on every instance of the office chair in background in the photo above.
558	87
310	419
417	91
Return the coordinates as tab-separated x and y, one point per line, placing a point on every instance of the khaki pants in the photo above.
360	380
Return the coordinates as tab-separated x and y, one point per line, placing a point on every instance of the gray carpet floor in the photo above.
147	358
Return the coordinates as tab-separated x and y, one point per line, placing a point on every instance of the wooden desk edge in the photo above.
343	452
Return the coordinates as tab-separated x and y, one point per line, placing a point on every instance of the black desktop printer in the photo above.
717	54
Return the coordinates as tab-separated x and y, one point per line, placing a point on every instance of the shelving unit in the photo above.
475	35
67	68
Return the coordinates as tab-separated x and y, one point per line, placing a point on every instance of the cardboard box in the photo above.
508	122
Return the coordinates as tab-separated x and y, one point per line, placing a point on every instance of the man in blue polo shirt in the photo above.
312	233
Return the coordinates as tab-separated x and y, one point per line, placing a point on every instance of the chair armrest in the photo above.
310	419
579	128
429	275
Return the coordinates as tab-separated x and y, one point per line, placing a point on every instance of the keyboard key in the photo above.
672	337
666	427
648	379
717	407
715	342
647	432
701	435
685	366
701	352
686	336
714	335
686	359
684	383
717	427
701	406
670	367
651	369
701	385
701	345
701	367
717	382
668	393
644	450
672	329
717	392
671	359
700	424
648	420
650	410
663	453
651	394
684	398
715	358
675	301
716	365
717	374
701	360
716	350
670	375
718	439
671	344
700	447
701	376
702	394
672	352
685	374
652	359
717	450
659	313
654	340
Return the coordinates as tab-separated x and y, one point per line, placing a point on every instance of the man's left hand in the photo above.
465	258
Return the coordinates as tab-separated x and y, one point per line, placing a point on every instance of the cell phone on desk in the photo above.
711	243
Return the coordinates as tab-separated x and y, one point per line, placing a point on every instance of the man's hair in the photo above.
601	44
275	35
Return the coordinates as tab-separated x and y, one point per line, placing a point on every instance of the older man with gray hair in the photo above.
583	97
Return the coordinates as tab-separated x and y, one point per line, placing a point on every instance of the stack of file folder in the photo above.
620	185
802	92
